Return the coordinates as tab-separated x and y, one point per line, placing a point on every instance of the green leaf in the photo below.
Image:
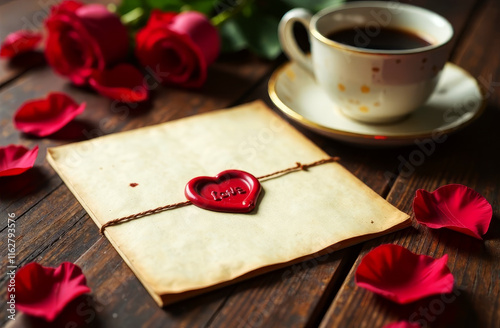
275	8
261	34
128	5
166	5
206	7
312	5
251	24
231	37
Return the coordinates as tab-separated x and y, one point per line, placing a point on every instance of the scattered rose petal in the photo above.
83	37
402	324
123	82
15	160
44	292
42	117
19	42
454	206
395	273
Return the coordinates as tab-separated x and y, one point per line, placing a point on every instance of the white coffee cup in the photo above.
369	85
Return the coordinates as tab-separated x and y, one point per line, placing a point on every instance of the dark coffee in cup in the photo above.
386	39
384	61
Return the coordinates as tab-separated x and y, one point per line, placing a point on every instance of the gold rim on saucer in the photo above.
331	132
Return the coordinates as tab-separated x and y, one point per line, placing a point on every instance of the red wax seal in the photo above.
229	191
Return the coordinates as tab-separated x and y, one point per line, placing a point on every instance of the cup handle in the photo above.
287	39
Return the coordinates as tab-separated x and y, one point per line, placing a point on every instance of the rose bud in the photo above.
178	48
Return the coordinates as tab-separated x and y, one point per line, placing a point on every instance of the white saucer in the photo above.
455	103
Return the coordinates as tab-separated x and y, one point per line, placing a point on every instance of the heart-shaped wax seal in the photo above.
229	191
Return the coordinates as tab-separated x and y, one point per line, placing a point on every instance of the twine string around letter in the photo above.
298	167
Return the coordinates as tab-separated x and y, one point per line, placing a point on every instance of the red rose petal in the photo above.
81	38
66	6
19	42
456	207
402	324
123	82
42	117
44	292
396	273
15	160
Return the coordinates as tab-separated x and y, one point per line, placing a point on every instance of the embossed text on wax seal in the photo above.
229	191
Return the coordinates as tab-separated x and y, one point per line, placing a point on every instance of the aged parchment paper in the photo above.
186	251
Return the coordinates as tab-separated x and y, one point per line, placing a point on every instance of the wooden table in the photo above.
52	227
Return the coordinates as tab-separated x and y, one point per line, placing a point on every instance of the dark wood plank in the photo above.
294	296
119	300
288	285
18	194
103	116
296	300
49	219
471	158
278	298
51	225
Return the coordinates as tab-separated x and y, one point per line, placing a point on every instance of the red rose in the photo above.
178	47
82	38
